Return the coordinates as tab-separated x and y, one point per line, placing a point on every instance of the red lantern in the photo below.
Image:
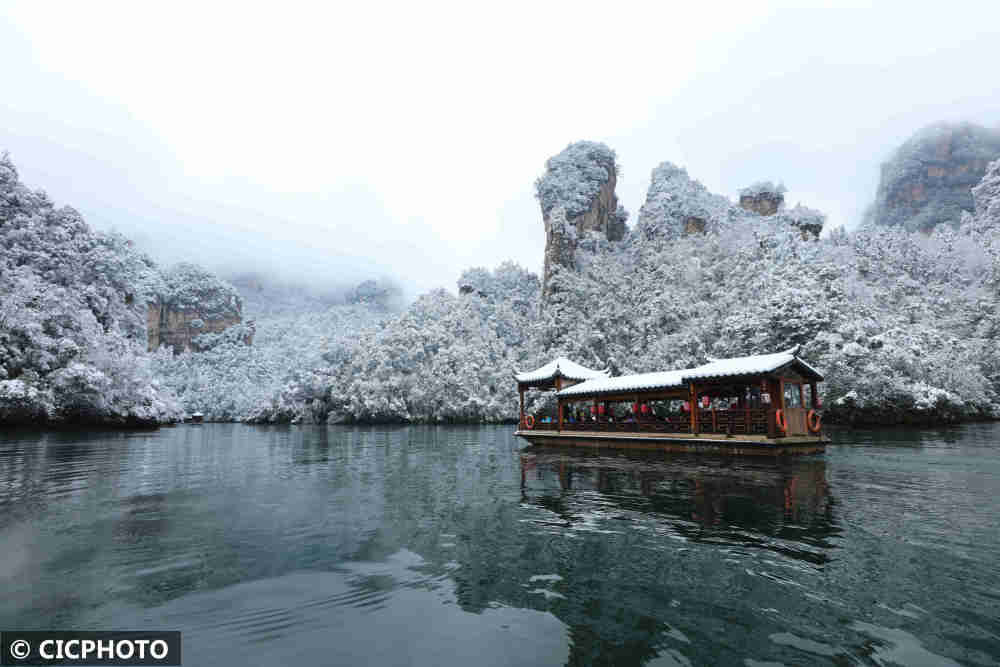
686	406
705	401
635	408
593	409
645	408
600	409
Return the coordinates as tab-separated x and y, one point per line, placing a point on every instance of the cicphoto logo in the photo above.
91	648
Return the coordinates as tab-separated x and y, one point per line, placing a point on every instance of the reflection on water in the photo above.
781	504
419	545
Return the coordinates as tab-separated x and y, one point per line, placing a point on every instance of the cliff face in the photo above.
577	197
192	302
763	198
178	328
927	181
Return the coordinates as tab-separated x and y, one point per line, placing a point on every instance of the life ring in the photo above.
780	422
812	425
529	421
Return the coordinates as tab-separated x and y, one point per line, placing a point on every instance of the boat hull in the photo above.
681	442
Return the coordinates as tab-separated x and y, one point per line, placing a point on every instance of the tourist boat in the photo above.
762	404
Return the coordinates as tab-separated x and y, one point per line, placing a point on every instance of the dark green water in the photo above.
435	545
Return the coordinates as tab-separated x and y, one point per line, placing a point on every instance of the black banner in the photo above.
90	648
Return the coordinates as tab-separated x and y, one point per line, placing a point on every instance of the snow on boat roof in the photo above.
561	366
752	365
759	363
627	383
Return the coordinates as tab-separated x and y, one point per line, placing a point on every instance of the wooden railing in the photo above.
752	422
676	424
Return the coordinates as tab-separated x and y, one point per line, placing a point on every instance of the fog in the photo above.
340	144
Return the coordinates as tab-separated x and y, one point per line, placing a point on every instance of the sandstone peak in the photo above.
678	205
927	181
577	197
763	198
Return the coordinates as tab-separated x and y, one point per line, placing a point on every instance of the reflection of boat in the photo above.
746	405
195	418
653	546
754	495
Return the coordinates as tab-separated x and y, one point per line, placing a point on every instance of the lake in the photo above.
307	545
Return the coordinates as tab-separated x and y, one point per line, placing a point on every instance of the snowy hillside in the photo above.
903	325
228	380
446	358
72	317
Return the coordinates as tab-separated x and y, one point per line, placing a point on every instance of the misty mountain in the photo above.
927	181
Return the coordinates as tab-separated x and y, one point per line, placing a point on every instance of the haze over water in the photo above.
449	545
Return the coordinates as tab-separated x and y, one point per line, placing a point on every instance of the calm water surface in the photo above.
444	545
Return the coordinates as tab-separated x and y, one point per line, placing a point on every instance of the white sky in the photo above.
364	139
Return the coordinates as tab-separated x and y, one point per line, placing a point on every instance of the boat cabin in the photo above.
765	399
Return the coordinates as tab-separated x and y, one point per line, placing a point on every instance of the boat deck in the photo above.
681	442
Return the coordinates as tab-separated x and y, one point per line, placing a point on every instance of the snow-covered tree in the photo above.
72	317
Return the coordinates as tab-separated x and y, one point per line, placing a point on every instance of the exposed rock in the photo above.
808	220
577	196
694	225
763	198
677	205
928	179
193	302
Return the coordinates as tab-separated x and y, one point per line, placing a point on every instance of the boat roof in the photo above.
753	365
561	367
659	380
758	364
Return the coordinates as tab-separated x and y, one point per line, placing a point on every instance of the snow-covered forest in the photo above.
72	317
227	380
902	324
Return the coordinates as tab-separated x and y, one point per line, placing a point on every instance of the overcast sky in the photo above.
368	139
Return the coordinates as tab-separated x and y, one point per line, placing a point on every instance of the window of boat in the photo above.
793	399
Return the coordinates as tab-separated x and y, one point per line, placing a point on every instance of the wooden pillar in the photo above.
779	404
559	404
638	411
520	390
693	400
772	407
746	409
814	403
715	421
802	396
